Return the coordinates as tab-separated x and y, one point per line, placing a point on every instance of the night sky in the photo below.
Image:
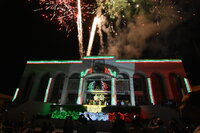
25	35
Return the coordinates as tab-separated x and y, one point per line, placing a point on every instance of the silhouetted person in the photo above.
172	127
68	125
92	125
160	128
155	125
119	126
50	127
83	126
28	127
136	126
190	111
44	128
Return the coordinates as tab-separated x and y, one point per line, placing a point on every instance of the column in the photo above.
83	91
81	86
80	91
113	91
64	95
21	86
150	89
187	84
15	95
48	89
132	93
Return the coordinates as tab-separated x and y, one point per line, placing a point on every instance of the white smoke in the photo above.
132	40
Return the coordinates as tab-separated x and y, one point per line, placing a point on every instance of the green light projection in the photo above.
113	92
47	90
150	61
113	73
56	62
150	91
15	95
187	85
83	73
99	57
91	86
57	114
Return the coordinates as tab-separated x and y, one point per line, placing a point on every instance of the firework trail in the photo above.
130	24
92	34
126	24
101	50
80	29
67	13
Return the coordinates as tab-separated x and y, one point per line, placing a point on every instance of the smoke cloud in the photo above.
133	40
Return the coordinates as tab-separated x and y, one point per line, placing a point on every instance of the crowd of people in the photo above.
189	122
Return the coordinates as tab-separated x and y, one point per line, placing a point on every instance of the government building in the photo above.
100	84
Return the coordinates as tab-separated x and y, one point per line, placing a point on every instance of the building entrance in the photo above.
97	92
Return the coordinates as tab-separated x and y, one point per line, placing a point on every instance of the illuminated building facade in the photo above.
103	81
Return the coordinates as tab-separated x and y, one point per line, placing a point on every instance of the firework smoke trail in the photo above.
67	13
92	33
80	29
101	35
131	26
126	24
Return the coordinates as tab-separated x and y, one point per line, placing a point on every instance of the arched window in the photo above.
123	89
177	86
140	89
122	82
97	89
72	88
42	87
158	88
57	88
27	88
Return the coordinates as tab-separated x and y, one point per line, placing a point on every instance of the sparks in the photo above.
80	29
116	16
94	25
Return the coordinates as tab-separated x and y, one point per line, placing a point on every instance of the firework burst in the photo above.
115	17
121	12
64	12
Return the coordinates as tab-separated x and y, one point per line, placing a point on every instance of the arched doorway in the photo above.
72	88
42	87
101	77
123	89
57	88
140	89
97	89
27	88
158	88
177	86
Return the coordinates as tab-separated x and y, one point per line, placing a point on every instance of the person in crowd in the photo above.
68	125
7	126
172	126
28	127
92	125
50	127
136	126
82	125
190	111
44	128
119	126
156	126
